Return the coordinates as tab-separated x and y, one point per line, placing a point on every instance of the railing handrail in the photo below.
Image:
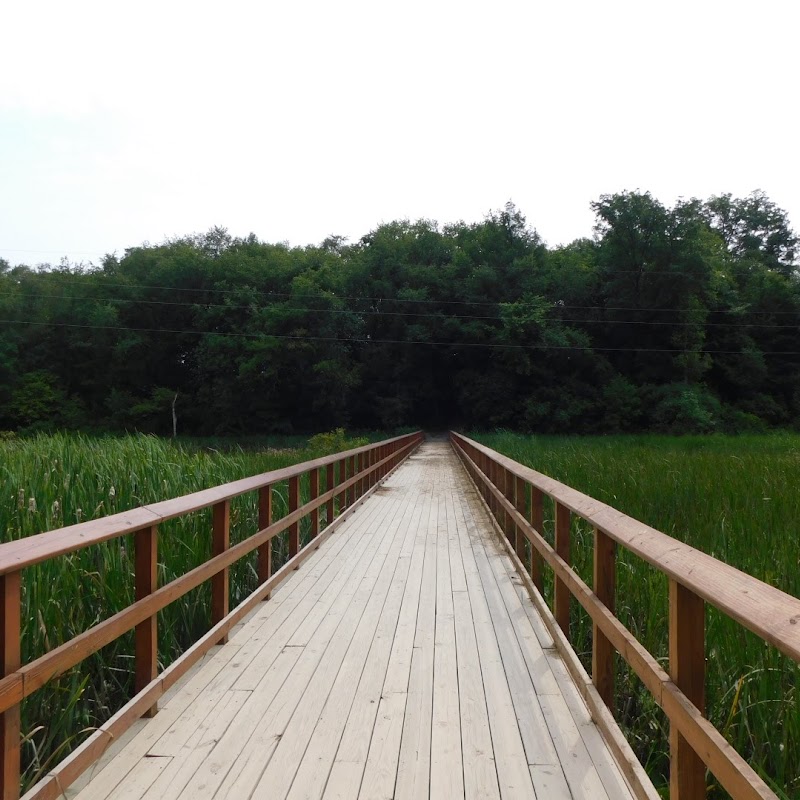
765	610
360	472
20	553
513	494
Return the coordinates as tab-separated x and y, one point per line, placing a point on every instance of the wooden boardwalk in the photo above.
403	660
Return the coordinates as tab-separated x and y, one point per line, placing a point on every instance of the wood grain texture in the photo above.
733	773
561	593
10	595
605	582
766	611
146	633
32	550
687	668
220	543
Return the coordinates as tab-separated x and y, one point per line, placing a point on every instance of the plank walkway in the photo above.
403	660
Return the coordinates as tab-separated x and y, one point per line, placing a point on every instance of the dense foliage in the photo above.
672	319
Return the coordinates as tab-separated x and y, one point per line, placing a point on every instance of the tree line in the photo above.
678	319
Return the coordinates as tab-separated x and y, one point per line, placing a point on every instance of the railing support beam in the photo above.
221	540
294	504
10	594
561	593
687	775
605	581
264	556
146	636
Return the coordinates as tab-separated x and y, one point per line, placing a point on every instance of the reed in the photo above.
735	498
50	481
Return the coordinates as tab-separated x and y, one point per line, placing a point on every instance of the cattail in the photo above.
78	514
21	499
112	492
56	508
32	504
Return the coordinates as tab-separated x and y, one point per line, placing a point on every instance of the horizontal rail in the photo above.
766	611
694	740
18	681
21	553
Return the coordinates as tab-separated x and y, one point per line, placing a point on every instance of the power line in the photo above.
353	340
439	316
289	295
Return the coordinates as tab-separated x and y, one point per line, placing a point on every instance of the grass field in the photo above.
48	482
735	498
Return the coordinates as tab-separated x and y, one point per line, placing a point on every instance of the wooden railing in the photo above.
514	495
349	477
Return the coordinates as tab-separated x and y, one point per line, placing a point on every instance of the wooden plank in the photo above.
687	668
199	742
763	609
413	766
344	730
625	759
297	624
386	767
605	583
480	773
514	778
326	702
146	634
243	753
10	594
447	770
579	769
104	784
527	704
73	765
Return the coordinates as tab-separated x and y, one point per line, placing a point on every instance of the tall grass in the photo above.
735	498
48	482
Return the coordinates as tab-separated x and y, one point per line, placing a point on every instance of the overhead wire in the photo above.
378	313
384	313
367	340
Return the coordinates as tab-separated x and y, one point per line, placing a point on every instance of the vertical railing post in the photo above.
520	502
561	594
508	491
146	635
313	482
294	504
221	539
687	779
341	478
329	484
605	582
264	556
492	479
349	471
537	523
10	595
360	470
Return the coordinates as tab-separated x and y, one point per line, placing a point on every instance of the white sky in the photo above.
127	122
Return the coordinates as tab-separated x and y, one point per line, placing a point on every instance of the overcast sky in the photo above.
129	122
